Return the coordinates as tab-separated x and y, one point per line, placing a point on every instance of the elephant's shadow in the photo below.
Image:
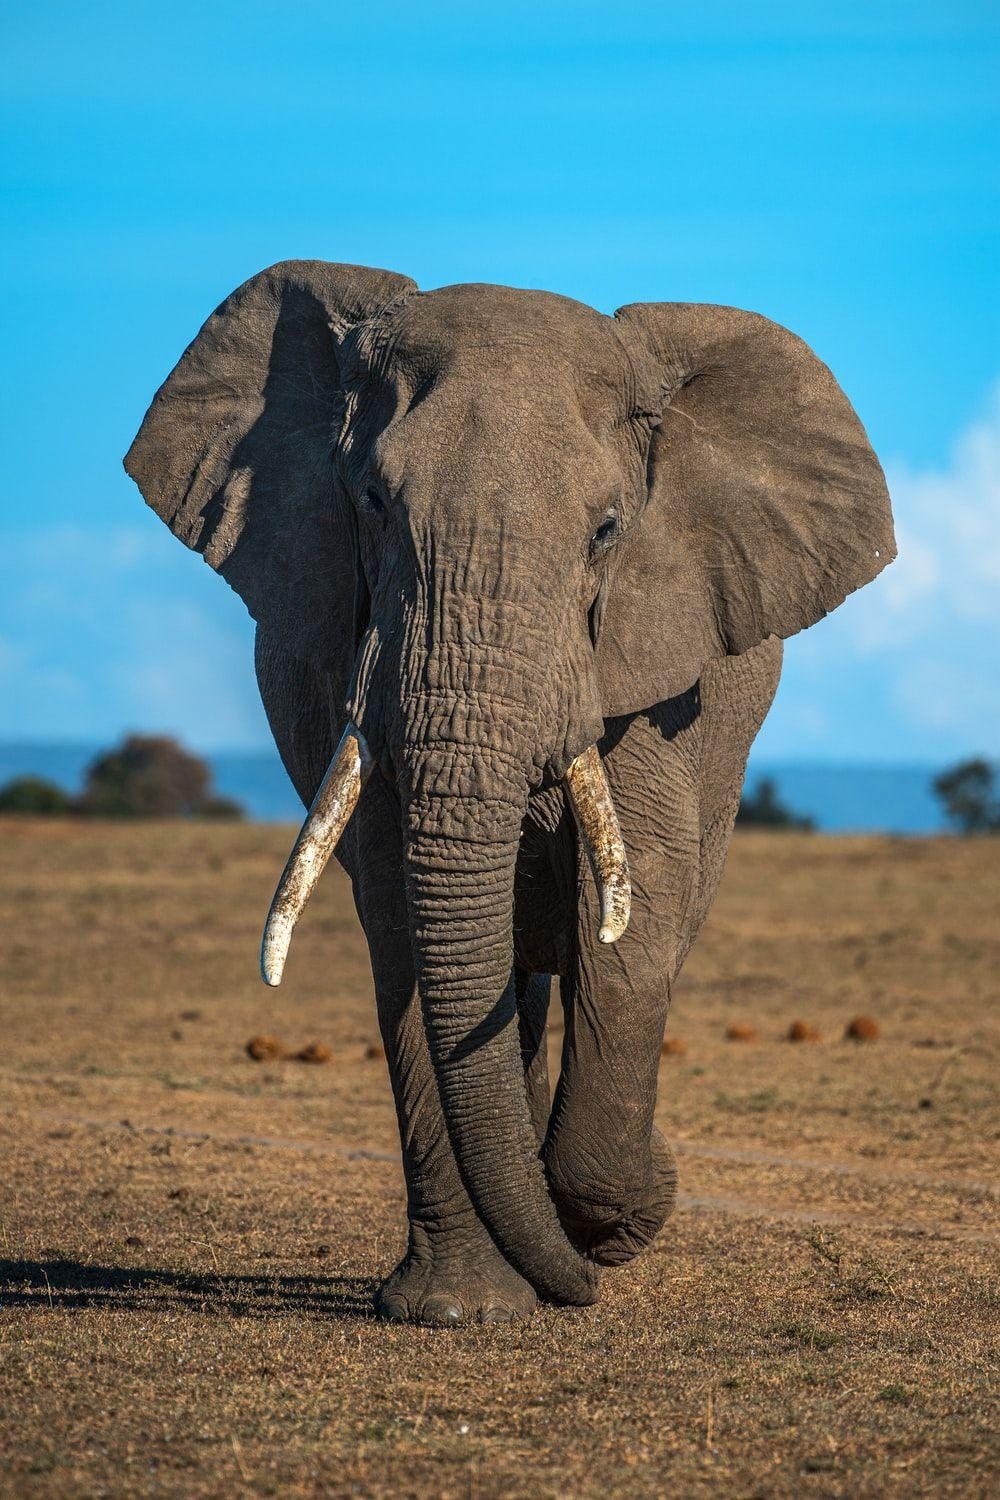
59	1283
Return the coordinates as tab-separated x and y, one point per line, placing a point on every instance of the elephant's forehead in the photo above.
505	327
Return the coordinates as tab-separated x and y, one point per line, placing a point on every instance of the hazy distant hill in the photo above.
897	799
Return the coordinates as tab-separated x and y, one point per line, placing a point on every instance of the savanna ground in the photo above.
190	1239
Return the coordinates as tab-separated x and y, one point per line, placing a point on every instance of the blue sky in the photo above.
833	166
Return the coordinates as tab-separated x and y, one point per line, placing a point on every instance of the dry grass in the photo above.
191	1238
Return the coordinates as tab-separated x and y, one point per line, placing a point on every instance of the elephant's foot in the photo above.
613	1236
453	1278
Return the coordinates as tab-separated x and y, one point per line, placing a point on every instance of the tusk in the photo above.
590	799
321	832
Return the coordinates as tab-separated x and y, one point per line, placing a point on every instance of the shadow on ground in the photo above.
70	1283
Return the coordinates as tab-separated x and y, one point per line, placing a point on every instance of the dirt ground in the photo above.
190	1239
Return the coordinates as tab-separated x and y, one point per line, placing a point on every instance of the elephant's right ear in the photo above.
766	504
236	452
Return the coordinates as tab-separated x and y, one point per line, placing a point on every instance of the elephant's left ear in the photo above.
766	505
236	453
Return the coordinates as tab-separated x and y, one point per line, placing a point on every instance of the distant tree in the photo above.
34	795
763	808
967	794
221	807
152	776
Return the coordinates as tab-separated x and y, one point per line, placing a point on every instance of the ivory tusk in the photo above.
590	799
321	832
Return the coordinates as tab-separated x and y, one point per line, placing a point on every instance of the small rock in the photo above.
321	1252
190	1015
673	1047
314	1052
863	1029
264	1048
801	1031
740	1031
925	1103
133	1242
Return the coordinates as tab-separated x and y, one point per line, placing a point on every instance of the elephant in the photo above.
521	572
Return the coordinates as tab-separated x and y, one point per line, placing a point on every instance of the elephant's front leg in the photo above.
452	1272
611	1174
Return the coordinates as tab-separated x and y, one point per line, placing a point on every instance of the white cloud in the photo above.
946	697
907	669
948	531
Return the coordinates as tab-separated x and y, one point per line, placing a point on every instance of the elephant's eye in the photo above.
372	502
606	534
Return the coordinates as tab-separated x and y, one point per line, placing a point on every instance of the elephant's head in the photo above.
497	518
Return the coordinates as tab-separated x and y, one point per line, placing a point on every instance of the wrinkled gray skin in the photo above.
495	527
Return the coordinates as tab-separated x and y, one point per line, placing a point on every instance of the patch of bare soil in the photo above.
190	1239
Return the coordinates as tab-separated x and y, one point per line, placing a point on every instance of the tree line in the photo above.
152	776
145	776
967	794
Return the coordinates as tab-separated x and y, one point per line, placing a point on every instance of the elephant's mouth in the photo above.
589	796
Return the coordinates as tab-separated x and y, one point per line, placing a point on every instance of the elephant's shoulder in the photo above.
735	693
747	678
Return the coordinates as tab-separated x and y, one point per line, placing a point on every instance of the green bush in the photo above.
35	796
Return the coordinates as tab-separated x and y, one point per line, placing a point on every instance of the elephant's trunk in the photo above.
461	848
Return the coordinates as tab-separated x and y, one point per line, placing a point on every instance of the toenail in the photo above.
496	1315
441	1310
394	1309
